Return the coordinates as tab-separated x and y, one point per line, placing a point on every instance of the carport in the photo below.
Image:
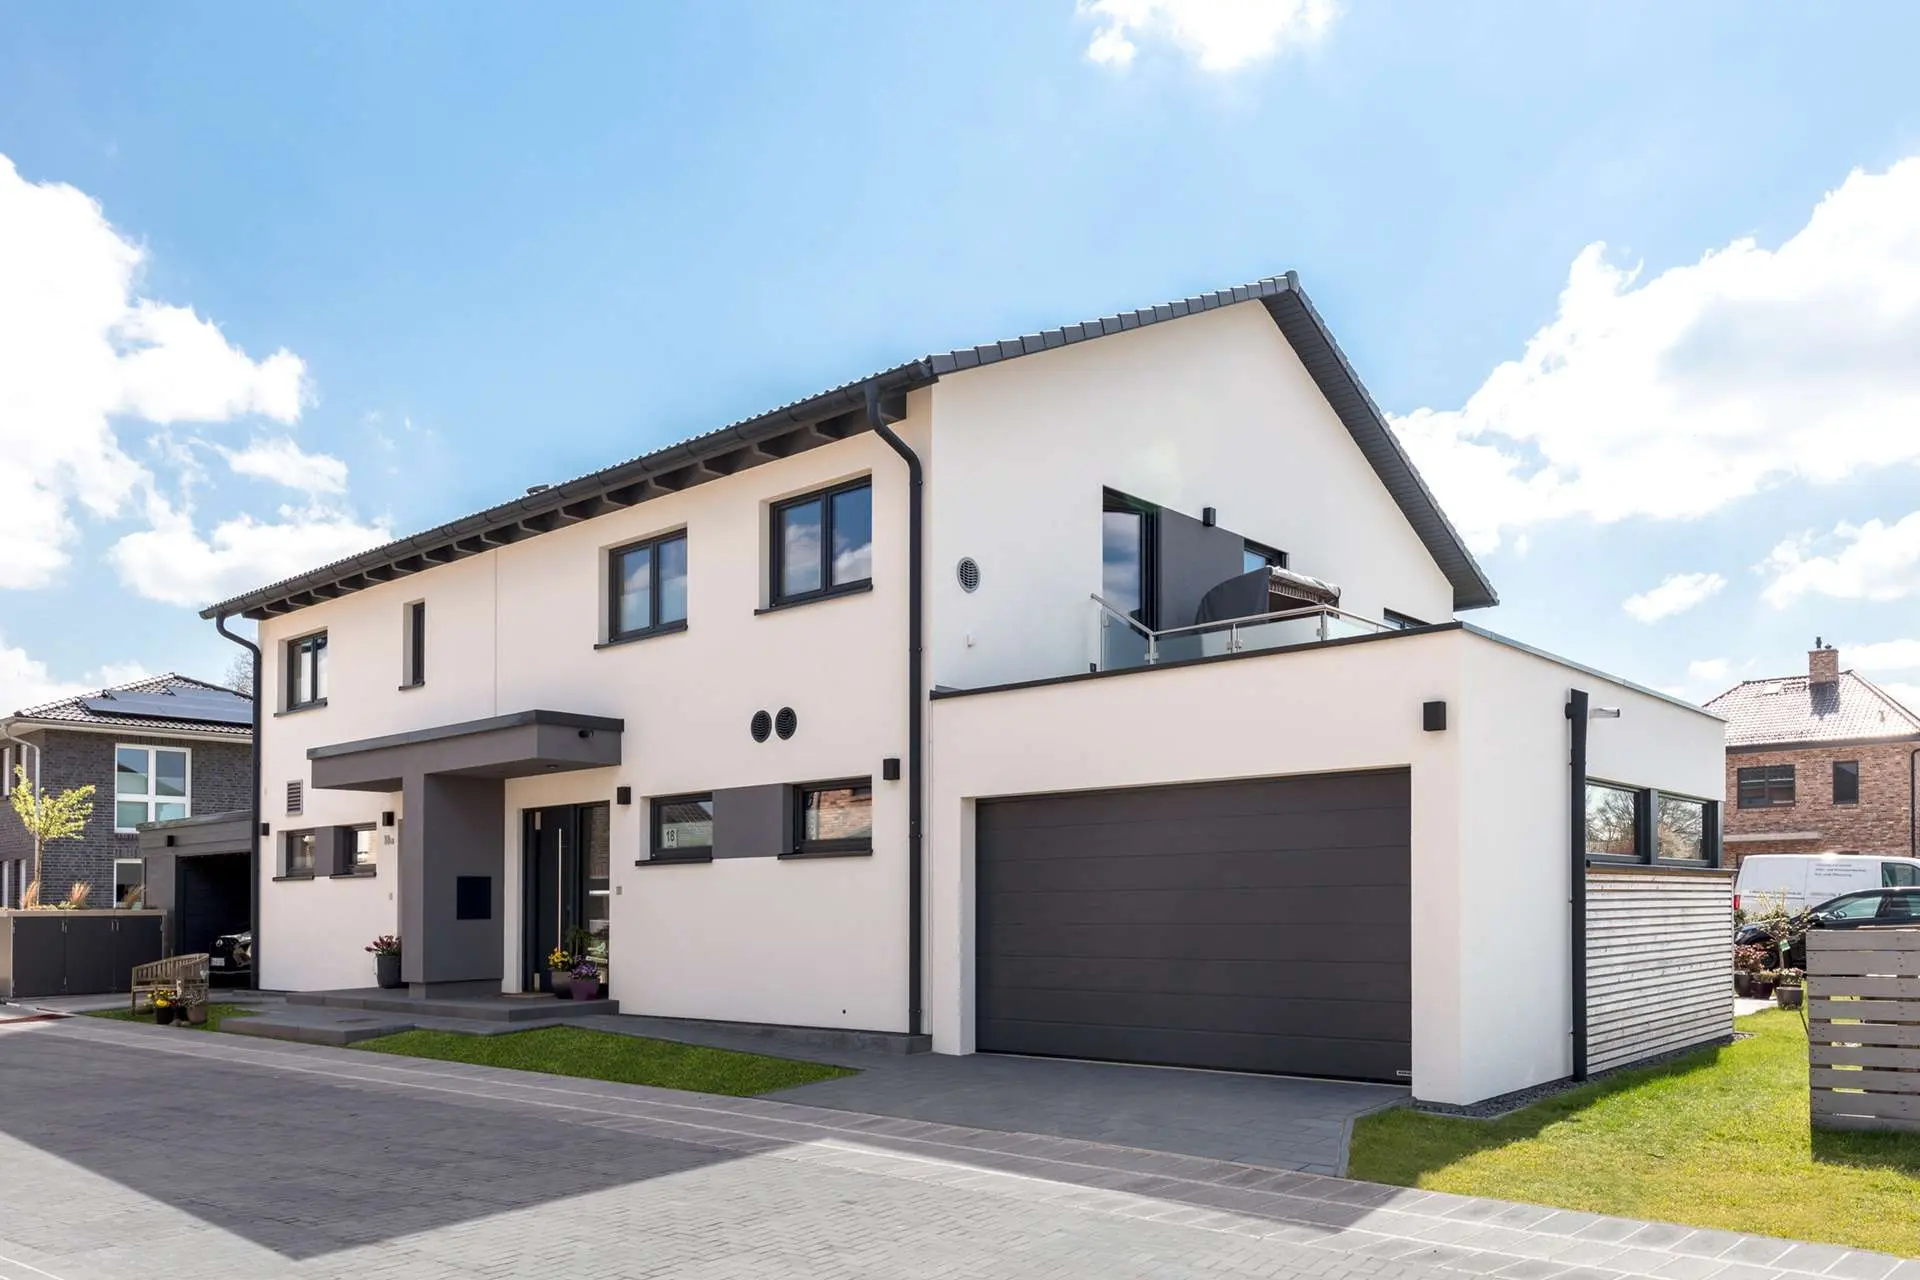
199	871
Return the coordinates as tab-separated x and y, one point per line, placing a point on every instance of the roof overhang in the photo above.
524	744
14	725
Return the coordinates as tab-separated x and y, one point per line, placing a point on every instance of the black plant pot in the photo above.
1788	997
163	1015
1743	984
386	971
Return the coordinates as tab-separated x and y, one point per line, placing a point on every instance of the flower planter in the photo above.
1788	997
197	1015
561	983
586	988
386	971
163	1014
1743	985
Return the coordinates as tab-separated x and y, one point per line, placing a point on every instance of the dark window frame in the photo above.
348	855
615	580
1767	778
801	847
304	652
1640	803
1401	621
1646	830
656	852
414	626
288	839
1853	782
1275	559
1112	500
777	561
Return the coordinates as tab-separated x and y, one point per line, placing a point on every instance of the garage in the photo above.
199	871
1255	925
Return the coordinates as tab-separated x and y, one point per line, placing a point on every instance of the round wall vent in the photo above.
761	727
785	723
968	571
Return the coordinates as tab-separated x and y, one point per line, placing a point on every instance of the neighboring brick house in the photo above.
164	747
1821	763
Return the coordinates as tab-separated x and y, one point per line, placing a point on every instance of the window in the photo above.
1680	833
648	585
1400	621
1766	786
1613	821
299	854
129	882
823	543
1126	556
1897	874
1254	556
596	845
150	784
361	852
1860	906
834	817
413	672
1846	782
307	671
683	827
1897	906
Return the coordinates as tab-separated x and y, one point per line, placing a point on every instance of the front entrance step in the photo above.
338	1029
477	1009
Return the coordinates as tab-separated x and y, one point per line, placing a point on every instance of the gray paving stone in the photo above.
1811	1258
1856	1265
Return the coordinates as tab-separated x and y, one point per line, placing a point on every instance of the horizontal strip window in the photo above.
647	587
1649	827
822	544
833	817
682	828
1766	786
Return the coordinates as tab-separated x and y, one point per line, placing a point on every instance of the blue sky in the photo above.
454	250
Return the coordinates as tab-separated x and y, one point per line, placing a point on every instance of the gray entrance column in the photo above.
453	857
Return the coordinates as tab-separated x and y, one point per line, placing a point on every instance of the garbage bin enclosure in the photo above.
74	953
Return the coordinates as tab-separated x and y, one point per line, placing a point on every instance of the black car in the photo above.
1896	907
231	956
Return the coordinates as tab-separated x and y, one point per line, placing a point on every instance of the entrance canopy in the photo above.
519	745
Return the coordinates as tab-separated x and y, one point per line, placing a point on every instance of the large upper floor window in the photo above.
307	671
1766	786
823	543
648	586
151	784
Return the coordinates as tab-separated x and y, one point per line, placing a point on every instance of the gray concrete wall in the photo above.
453	829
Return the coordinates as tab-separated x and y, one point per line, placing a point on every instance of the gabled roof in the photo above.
1789	709
841	412
169	703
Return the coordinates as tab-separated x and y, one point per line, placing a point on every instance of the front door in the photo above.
565	886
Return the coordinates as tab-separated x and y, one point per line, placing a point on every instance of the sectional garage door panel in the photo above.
1255	926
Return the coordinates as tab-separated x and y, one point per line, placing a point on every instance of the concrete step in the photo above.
339	1031
480	1009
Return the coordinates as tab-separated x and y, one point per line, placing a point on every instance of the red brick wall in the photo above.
1881	823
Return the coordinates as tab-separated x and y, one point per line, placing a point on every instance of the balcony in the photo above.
1121	642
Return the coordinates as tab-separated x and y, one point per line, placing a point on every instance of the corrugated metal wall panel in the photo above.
1659	963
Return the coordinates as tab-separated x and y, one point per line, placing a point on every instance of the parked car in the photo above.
231	956
1897	907
1798	880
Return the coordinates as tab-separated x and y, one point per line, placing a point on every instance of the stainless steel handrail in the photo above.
1231	626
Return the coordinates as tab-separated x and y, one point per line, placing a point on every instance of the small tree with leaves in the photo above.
49	817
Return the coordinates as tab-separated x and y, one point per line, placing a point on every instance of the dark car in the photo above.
1895	907
231	956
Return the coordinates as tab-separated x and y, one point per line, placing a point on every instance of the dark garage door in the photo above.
1250	926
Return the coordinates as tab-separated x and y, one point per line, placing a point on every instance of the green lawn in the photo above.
1716	1139
216	1014
605	1055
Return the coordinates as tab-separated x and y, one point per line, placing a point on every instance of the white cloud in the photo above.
1677	593
1221	35
25	681
1907	695
1872	561
1671	396
1887	655
79	348
1709	670
171	562
283	462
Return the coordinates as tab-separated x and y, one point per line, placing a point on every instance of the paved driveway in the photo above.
141	1152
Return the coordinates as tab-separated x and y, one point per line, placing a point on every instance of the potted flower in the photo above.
1787	992
163	1010
560	973
1748	962
195	1013
385	950
586	980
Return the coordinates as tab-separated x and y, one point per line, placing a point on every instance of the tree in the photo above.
61	817
239	676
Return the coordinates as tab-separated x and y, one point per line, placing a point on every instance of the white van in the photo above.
1809	879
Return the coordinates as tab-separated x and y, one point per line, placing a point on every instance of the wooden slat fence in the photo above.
1659	966
1863	1028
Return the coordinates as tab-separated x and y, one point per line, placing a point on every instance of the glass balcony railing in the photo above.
1122	642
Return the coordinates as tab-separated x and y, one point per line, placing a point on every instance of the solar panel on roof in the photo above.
214	706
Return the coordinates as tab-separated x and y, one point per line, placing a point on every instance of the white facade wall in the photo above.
1491	1003
810	942
1213	410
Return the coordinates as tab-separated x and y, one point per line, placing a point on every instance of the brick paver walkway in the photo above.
137	1152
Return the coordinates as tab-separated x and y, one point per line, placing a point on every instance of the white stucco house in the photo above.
1097	694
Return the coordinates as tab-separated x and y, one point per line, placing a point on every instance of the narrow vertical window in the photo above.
307	671
1126	557
415	636
1846	782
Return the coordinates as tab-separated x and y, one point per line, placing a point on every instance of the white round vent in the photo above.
969	574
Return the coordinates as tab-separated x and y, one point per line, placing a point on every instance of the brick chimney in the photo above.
1823	664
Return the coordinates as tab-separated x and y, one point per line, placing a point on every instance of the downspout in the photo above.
915	702
7	735
1577	852
253	806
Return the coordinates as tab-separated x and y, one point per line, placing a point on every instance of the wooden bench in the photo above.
182	977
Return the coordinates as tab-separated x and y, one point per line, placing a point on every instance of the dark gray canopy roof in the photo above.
841	412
